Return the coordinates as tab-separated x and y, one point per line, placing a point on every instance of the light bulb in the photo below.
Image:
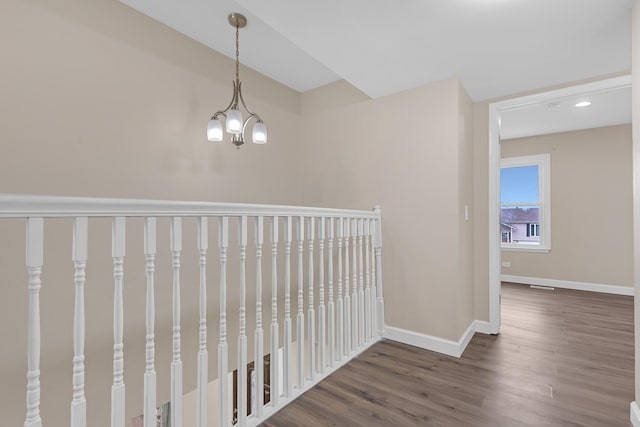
214	130
259	135
234	122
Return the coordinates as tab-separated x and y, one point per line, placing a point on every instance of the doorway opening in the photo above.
497	112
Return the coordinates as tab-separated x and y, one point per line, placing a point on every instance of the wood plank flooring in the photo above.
562	358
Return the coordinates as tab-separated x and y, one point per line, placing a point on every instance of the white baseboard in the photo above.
635	414
440	345
483	327
566	284
463	342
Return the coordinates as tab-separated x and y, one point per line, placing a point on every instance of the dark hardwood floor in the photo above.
562	358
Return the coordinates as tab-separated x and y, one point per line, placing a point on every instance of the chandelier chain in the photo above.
237	53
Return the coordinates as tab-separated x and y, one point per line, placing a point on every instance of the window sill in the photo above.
525	249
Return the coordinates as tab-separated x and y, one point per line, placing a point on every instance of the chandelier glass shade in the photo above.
235	123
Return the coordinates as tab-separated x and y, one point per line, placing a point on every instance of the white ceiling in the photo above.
495	47
608	108
261	47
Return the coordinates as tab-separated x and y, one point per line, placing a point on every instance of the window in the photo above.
525	208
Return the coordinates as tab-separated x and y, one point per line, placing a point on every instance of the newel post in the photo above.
379	295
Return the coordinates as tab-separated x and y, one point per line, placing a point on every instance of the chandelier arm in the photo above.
233	103
242	100
246	122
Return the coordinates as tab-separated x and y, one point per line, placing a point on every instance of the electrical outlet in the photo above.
506	263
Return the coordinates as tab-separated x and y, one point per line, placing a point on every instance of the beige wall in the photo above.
481	209
99	100
466	236
591	207
403	152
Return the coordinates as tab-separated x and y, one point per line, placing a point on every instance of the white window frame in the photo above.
543	161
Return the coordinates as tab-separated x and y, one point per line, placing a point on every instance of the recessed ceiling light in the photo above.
583	104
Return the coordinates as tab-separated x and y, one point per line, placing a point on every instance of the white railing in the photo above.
340	323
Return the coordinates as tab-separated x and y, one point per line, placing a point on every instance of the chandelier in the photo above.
235	124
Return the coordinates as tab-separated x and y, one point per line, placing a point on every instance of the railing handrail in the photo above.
25	206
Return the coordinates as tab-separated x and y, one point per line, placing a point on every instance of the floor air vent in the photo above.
546	288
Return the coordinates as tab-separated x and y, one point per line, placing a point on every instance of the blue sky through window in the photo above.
519	184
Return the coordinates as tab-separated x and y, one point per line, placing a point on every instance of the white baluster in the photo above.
347	295
79	255
372	228
300	322
288	366
253	392
258	403
203	358
331	308
361	314
149	410
380	299
242	336
311	336
354	285
118	389
275	341
176	363
340	338
34	260
223	351
321	307
367	291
